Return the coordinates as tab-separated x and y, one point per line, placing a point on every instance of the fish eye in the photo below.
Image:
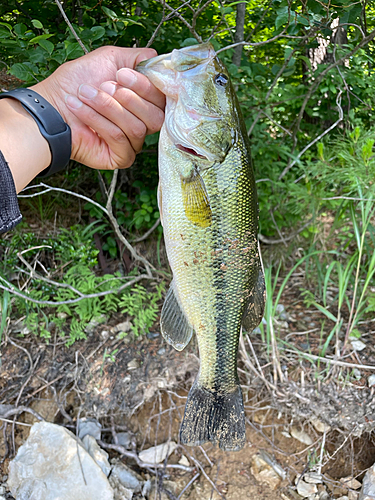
221	79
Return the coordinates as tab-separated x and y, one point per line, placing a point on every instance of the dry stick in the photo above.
182	19
21	409
334	125
51	188
130	454
197	463
147	234
118	232
188	485
12	290
331	361
319	78
71	27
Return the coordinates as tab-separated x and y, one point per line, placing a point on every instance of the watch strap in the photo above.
51	126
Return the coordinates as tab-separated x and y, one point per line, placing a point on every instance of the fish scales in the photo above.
209	210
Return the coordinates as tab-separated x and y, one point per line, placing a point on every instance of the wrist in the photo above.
24	148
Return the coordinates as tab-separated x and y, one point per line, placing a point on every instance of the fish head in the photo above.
200	116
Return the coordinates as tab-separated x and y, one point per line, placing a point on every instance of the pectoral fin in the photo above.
255	306
174	325
195	200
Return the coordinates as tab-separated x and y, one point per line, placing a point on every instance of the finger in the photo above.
111	109
148	113
141	85
107	148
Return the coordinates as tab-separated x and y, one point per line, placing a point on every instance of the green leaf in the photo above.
98	32
36	39
47	45
110	13
22	71
189	41
73	50
37	24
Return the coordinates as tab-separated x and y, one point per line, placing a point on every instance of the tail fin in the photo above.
218	417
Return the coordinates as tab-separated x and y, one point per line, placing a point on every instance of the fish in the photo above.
209	211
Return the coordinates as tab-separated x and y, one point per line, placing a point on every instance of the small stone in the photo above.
280	311
358	345
371	380
350	482
264	473
353	495
323	495
62	315
5	408
184	461
286	434
133	364
312	478
123	327
89	426
2	490
343	498
301	436
2	497
161	351
128	478
305	489
98	320
319	425
100	456
153	335
157	454
124	439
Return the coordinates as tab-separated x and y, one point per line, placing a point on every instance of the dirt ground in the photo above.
143	391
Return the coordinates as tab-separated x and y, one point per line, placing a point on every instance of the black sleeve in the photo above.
10	214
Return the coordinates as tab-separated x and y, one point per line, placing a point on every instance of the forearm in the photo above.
23	146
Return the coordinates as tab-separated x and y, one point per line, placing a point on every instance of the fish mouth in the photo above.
190	151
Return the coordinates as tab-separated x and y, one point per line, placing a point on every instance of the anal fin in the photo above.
174	325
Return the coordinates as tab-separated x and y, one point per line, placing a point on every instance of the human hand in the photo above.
109	107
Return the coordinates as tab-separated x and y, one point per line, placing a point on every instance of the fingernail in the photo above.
108	88
72	101
88	91
126	77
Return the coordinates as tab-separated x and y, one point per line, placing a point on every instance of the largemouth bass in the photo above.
209	211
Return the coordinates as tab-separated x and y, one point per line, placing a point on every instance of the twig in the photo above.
10	288
118	232
147	234
131	454
71	27
331	361
21	409
188	485
51	188
334	125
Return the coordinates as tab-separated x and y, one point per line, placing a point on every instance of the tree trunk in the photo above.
239	34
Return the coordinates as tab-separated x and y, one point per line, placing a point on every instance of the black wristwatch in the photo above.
51	126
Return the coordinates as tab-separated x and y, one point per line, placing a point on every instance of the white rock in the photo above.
89	426
358	345
301	436
128	478
124	327
312	478
157	454
319	425
368	485
184	461
98	454
53	465
306	490
357	374
353	495
124	439
350	482
133	364
264	473
371	380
